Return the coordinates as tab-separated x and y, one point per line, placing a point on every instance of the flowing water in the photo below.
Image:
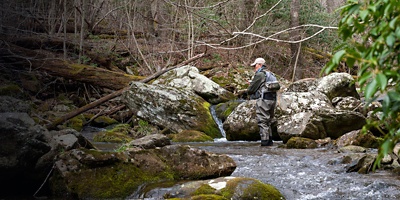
300	174
305	173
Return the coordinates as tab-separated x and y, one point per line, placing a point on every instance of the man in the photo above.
266	99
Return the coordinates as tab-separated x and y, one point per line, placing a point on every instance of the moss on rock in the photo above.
190	136
125	179
118	134
301	143
104	121
208	197
76	123
248	188
207	123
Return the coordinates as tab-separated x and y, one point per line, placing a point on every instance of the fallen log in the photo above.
38	60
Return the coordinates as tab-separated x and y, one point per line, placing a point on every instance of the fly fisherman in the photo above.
263	88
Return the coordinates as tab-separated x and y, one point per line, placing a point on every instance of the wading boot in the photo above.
267	142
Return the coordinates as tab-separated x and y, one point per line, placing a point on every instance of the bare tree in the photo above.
295	35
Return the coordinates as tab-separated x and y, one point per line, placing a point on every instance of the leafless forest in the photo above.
142	37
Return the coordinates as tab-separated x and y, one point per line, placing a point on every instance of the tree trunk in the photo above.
294	36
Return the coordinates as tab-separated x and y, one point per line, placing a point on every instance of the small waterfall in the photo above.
218	121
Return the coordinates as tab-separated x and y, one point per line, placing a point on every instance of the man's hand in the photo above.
240	93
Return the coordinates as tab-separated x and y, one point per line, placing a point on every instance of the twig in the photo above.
47	177
94	117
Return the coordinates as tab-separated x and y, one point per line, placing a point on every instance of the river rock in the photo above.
188	77
290	103
151	141
93	174
319	125
168	107
301	143
364	165
235	188
337	85
358	138
241	124
332	85
352	149
347	103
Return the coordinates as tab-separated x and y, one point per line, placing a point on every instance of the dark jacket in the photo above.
257	82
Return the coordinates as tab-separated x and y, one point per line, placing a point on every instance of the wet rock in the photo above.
234	188
364	165
223	110
190	136
319	125
301	143
188	77
151	141
359	139
352	149
190	163
241	124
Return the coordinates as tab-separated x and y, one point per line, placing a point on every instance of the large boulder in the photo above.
332	85
168	107
92	174
188	77
337	85
241	124
27	152
290	103
22	144
319	125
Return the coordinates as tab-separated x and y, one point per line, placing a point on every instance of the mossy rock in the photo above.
75	123
208	197
103	121
248	188
301	143
118	134
223	110
190	136
13	91
117	182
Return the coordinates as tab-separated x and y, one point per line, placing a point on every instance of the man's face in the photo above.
257	66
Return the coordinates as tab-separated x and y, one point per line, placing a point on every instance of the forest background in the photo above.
140	37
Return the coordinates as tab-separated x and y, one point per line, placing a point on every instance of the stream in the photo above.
299	174
305	173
